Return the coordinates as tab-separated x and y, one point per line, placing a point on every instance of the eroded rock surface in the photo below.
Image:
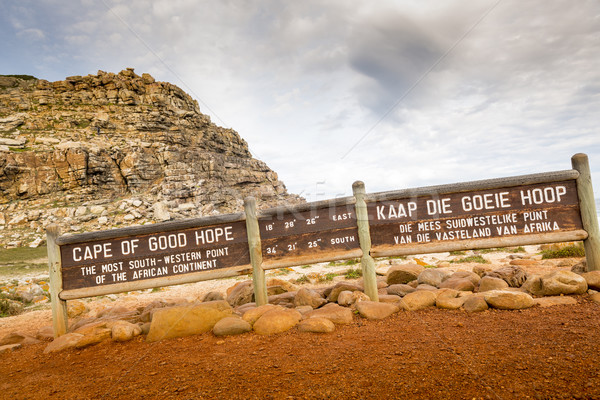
69	149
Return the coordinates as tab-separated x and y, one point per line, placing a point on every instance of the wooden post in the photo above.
587	208
258	273
59	307
364	237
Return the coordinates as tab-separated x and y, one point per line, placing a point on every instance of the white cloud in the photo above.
31	34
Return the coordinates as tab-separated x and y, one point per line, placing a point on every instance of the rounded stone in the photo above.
231	326
419	300
563	282
475	304
375	310
123	331
508	300
403	273
277	321
488	283
316	325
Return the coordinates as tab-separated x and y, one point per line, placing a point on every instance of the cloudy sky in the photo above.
395	93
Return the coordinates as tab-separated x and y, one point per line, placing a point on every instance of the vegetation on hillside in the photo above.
24	77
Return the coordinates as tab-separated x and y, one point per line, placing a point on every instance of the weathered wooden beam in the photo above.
60	319
254	244
587	206
364	237
298	208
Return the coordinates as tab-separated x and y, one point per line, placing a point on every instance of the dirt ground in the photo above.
538	353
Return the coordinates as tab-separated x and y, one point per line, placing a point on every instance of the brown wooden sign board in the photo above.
530	209
141	257
476	218
317	234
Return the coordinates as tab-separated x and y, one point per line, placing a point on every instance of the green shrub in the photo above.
283	271
569	251
477	259
303	279
24	77
19	149
457	253
9	307
353	273
519	249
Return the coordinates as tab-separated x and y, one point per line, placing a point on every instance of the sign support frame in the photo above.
254	244
587	209
60	319
586	228
364	238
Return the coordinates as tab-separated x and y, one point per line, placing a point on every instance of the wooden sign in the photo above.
451	219
530	209
164	255
309	233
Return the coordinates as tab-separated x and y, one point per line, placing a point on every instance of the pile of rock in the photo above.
407	287
19	294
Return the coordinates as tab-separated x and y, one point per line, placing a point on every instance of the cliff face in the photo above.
99	151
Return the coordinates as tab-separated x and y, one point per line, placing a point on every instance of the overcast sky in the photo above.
398	94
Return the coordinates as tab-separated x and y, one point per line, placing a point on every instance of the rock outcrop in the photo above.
106	150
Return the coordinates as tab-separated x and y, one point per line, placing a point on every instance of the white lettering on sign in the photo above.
129	246
212	253
92	252
194	266
213	235
464	234
545	195
402	239
535	215
341	217
423	237
488	201
181	257
91	270
398	211
507	230
163	242
429	225
120	277
150	273
405	228
341	240
146	262
112	267
541	227
436	207
481	221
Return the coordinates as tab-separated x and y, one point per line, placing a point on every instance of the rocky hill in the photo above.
108	150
